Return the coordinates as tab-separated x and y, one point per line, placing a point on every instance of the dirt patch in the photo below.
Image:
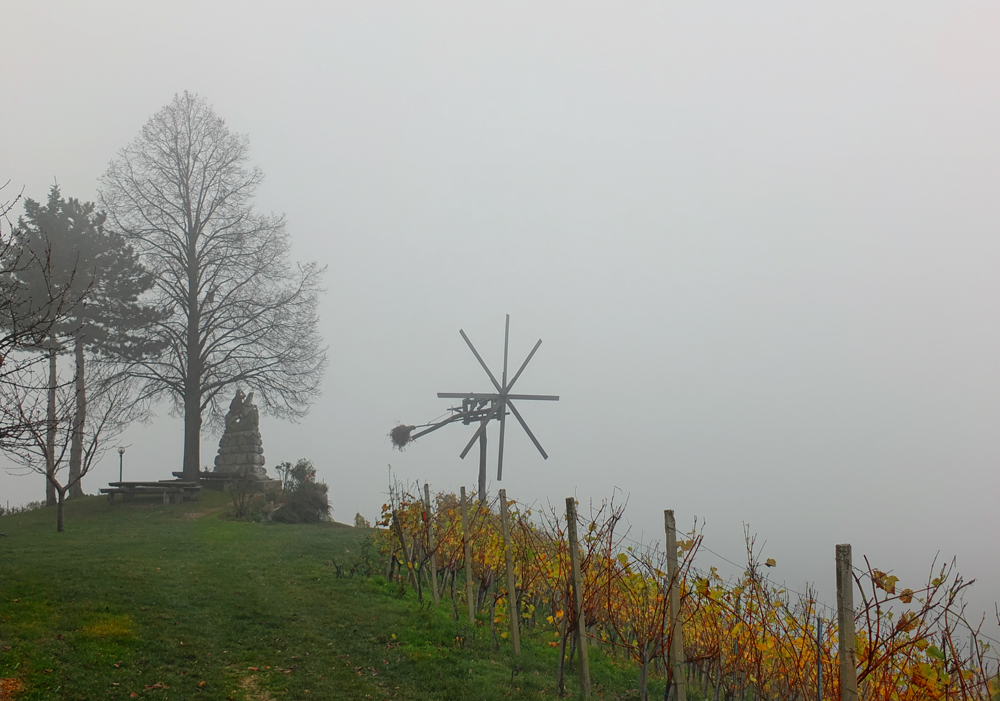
111	627
251	686
9	687
192	515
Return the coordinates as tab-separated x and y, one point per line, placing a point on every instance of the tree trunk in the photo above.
192	433
192	382
76	444
60	517
192	414
50	430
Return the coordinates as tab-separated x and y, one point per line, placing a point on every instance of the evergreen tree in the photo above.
99	268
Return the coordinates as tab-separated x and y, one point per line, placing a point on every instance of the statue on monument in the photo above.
243	414
241	449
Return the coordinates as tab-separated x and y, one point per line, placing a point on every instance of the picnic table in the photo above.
174	491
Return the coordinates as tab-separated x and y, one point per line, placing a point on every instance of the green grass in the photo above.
145	600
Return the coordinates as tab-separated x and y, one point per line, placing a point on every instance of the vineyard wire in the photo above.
864	574
831	609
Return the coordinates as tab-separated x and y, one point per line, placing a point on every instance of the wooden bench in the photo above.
172	490
224	481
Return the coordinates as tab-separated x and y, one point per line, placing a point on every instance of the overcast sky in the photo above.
759	241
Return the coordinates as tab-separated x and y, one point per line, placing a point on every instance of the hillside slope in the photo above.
160	601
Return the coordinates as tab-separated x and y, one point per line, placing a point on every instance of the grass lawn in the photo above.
153	601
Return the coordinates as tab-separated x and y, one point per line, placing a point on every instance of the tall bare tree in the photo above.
183	193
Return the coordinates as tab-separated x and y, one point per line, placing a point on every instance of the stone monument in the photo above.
241	450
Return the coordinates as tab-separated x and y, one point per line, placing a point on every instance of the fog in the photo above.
759	242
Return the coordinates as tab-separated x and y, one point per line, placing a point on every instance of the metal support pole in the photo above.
430	542
677	641
845	621
819	658
581	619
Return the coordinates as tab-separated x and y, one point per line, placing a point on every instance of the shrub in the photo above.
361	522
304	500
292	476
306	504
30	506
250	501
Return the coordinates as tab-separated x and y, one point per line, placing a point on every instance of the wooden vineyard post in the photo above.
508	556
676	655
468	559
845	623
581	621
430	542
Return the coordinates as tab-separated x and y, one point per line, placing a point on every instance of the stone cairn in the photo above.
241	450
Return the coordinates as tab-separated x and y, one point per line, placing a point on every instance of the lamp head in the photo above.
121	450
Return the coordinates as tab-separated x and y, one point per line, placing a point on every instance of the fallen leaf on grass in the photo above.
157	685
9	687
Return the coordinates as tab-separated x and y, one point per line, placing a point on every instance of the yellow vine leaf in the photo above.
885	582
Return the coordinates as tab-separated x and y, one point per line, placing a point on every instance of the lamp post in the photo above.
121	455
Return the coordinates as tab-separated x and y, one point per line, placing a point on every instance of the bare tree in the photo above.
183	192
111	408
28	314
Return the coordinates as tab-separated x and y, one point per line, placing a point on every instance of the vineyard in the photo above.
510	567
